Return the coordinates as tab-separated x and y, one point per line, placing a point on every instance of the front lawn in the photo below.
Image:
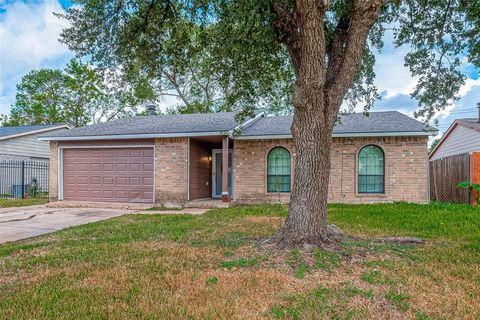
7	203
211	267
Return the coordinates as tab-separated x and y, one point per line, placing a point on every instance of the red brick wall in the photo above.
406	170
171	171
53	185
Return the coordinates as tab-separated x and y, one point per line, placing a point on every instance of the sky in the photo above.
29	40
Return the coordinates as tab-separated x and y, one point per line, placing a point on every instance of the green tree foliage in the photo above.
433	145
77	95
38	99
220	55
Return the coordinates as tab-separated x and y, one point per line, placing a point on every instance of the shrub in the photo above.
473	189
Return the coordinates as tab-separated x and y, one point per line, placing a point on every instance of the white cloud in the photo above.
29	39
392	77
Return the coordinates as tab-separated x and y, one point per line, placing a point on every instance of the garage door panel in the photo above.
107	181
80	193
121	181
148	152
95	180
121	175
148	167
147	180
108	166
82	154
96	154
123	153
135	166
82	166
95	166
83	180
135	181
121	167
108	153
136	153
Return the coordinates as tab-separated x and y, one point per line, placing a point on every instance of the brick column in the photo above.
225	195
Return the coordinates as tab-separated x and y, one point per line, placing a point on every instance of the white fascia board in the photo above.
34	132
135	136
346	135
385	134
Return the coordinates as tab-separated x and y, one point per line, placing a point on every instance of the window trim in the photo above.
266	170
365	193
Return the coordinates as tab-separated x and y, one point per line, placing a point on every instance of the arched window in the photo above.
278	168
371	170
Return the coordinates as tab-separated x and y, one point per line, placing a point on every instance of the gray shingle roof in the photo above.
471	123
10	131
223	122
354	123
160	124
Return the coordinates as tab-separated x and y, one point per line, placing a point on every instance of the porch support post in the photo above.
225	195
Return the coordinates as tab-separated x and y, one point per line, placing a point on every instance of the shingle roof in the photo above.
10	131
354	123
159	124
220	123
471	123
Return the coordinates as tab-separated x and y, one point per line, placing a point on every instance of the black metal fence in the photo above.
24	179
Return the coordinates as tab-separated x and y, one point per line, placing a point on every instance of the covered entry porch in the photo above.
210	169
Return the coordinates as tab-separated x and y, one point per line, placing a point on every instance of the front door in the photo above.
217	165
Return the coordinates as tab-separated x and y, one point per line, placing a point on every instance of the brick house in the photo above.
173	159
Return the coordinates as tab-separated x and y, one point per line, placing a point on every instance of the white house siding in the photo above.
26	147
460	140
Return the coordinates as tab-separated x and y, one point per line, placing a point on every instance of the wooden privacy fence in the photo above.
446	173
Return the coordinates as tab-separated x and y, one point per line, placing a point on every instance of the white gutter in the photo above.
217	133
34	132
134	136
157	135
345	135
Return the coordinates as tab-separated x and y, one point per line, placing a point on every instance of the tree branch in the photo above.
347	56
285	29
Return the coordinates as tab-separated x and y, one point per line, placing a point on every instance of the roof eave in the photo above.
34	132
345	135
135	136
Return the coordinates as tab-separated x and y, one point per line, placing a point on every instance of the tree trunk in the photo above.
320	86
307	213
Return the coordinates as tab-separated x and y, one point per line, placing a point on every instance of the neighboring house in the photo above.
456	158
24	160
21	142
171	159
463	136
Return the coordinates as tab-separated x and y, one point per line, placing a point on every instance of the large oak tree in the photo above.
326	44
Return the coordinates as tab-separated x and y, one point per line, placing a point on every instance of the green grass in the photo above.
436	220
7	203
211	267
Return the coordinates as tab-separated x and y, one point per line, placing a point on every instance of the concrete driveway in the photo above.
25	222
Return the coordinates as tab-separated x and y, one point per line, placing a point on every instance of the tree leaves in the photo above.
77	95
223	54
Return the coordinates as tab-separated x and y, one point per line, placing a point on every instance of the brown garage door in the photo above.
114	175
